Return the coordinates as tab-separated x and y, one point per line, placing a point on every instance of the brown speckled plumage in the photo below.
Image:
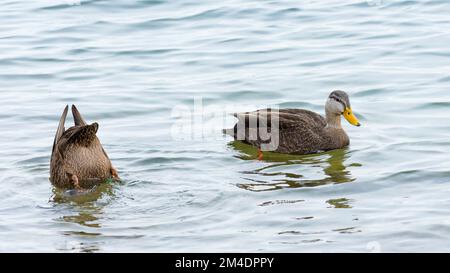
300	131
78	159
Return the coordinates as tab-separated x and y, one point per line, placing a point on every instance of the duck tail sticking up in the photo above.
78	119
61	128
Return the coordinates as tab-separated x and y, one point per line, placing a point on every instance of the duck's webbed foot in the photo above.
260	154
114	174
74	181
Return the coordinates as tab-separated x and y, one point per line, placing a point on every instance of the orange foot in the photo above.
114	174
260	154
75	181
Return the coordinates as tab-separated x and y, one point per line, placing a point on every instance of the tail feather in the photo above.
77	117
61	128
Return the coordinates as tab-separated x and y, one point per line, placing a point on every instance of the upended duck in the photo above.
297	131
78	159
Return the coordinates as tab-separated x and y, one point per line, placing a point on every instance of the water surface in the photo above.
127	64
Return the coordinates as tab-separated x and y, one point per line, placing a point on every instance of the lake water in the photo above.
129	64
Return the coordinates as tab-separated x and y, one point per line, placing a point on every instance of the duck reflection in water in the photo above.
83	198
85	209
332	163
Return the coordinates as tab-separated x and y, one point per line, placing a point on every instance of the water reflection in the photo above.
83	198
340	203
289	171
76	246
85	209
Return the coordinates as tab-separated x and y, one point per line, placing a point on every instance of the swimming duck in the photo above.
78	159
297	131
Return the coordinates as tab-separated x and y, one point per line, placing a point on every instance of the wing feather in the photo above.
286	118
61	129
79	121
296	126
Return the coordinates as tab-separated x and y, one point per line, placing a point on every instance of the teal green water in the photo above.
127	64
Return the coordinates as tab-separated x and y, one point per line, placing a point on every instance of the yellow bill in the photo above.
348	115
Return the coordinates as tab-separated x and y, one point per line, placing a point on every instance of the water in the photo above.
127	64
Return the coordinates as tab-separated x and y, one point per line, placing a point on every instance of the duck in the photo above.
296	131
78	160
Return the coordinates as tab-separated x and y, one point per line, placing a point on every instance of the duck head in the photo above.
338	104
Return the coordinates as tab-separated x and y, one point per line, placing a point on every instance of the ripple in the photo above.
340	203
279	202
128	63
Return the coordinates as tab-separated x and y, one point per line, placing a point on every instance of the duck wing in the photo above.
299	130
297	117
61	129
78	119
287	118
66	138
303	134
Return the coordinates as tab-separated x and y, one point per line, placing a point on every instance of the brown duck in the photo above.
78	159
296	131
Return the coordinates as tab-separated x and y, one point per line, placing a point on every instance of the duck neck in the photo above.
333	120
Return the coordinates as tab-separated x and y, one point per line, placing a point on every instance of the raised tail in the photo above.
78	119
61	129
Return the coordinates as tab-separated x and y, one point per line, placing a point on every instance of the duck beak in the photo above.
348	115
